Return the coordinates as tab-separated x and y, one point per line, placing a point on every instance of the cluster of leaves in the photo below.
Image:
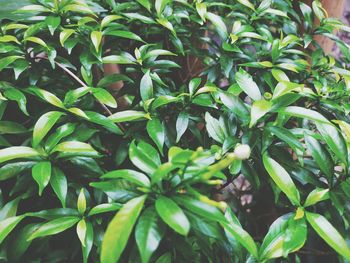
226	97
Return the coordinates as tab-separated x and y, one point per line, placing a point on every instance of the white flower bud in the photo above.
242	151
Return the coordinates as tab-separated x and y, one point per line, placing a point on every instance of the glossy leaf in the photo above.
156	131
181	125
144	156
41	173
148	233
54	227
130	175
282	179
17	152
43	126
172	215
59	185
248	85
328	233
119	230
7	225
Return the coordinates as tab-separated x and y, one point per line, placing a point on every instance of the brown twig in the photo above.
70	73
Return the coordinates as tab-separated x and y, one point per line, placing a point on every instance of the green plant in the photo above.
226	97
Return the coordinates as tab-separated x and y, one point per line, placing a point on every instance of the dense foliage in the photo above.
226	140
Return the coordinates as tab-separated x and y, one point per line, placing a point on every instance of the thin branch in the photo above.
70	73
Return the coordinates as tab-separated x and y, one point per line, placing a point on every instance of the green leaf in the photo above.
104	121
247	3
331	135
124	34
44	125
108	19
181	125
47	96
301	112
214	128
52	23
158	52
144	156
73	95
285	235
334	140
9	38
137	16
9	127
146	86
33	8
59	185
17	152
295	236
193	85
103	208
162	172
54	227
12	169
165	258
259	109
200	208
285	87
89	239
10	208
279	75
165	23
282	179
36	40
113	78
148	234
160	5
156	131
287	136
328	233
130	175
81	203
79	8
4	62
247	84
321	156
117	59
128	115
145	3
41	173
81	231
7	225
65	34
96	37
172	215
236	105
104	97
218	23
201	10
18	96
75	148
60	133
78	112
20	244
317	195
119	230
242	236
319	11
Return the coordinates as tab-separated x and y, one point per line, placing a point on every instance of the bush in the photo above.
218	101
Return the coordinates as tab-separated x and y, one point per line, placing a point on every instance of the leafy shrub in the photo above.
220	100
